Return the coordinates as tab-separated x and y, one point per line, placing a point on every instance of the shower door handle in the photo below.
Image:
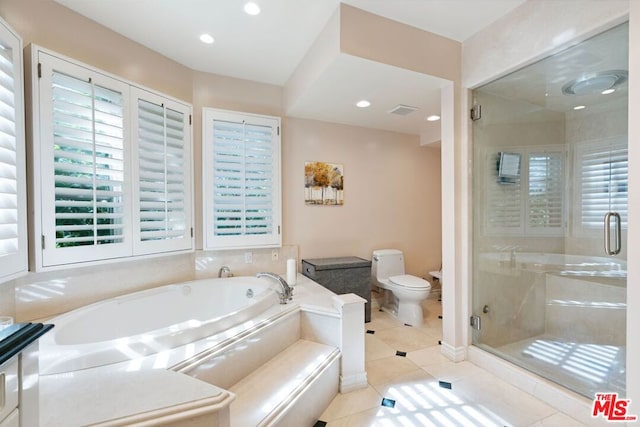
618	233
607	233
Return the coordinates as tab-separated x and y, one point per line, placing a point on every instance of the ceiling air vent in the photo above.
402	110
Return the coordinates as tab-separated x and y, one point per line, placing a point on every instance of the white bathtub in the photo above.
151	321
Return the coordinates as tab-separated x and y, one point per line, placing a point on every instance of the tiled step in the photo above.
295	386
232	359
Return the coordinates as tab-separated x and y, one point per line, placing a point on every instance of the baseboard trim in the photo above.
455	354
353	382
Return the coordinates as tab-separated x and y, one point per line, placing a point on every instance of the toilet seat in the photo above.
409	282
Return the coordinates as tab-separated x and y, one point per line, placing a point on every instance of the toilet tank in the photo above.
386	263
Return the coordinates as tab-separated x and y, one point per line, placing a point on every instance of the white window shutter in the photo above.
603	181
112	166
533	203
84	190
162	160
242	180
13	193
545	201
503	205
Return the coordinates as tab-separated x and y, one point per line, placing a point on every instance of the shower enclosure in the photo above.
550	215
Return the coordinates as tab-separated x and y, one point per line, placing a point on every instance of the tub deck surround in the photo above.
154	386
115	395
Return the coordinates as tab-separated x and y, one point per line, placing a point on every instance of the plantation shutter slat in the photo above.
88	137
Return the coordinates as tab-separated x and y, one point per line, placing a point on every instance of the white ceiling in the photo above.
351	78
267	48
540	84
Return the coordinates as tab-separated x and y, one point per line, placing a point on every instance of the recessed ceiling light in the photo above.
363	104
579	107
251	8
207	38
433	118
608	91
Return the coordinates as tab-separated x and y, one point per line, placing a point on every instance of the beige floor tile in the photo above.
431	309
375	348
428	356
514	405
558	420
384	417
384	371
360	419
381	320
476	398
407	338
428	408
454	371
350	403
405	385
432	327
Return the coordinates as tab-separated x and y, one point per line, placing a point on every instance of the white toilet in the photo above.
403	293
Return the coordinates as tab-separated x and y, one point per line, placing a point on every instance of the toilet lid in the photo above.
409	281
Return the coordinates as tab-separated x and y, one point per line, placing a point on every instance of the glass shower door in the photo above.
550	218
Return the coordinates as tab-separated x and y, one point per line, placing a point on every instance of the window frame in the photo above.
14	264
244	241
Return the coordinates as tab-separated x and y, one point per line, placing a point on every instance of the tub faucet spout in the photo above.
286	293
225	271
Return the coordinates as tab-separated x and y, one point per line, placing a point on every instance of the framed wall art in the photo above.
323	184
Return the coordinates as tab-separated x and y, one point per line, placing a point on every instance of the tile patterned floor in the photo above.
415	387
